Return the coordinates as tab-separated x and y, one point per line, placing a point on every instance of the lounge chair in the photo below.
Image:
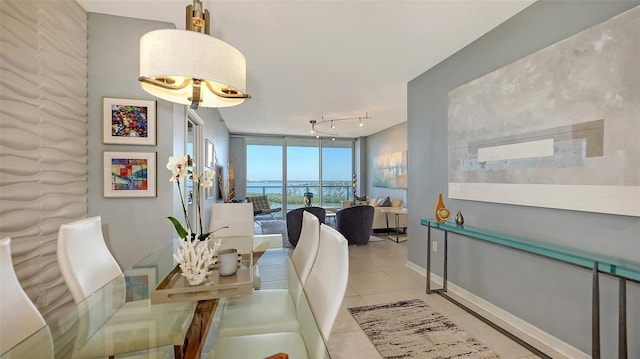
261	206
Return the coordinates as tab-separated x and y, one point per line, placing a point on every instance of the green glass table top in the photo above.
615	266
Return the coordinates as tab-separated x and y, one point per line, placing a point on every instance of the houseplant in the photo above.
195	255
180	169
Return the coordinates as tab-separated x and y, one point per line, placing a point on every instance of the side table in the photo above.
396	212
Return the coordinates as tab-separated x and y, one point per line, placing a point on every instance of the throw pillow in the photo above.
386	202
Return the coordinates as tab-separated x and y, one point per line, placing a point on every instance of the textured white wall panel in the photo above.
43	146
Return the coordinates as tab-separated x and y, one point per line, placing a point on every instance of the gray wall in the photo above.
131	226
217	132
134	227
238	149
393	139
550	295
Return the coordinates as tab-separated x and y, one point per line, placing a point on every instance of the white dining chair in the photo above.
327	283
19	318
325	289
108	325
238	217
306	249
247	315
234	220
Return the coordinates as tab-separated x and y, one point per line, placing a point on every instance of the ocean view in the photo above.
332	191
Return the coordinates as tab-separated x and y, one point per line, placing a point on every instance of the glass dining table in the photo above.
67	333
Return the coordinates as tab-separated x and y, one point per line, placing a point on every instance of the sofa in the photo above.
379	219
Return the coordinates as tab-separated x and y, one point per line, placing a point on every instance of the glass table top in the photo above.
615	266
66	335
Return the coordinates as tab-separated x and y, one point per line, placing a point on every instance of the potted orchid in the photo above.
194	257
179	167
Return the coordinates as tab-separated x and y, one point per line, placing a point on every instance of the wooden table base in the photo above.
199	328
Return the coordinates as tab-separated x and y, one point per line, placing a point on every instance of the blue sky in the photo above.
265	163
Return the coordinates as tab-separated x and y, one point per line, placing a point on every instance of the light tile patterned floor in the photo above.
378	274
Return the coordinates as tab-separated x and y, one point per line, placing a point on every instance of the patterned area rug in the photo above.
411	329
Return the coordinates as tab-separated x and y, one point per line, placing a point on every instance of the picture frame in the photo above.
128	121
209	157
390	170
140	282
129	174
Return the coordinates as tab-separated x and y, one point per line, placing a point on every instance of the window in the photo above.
264	169
285	169
303	172
337	172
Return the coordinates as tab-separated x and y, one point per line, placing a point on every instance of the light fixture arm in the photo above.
198	20
228	92
316	123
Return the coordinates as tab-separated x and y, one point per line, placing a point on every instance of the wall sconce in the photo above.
191	67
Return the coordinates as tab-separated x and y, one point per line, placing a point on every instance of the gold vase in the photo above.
440	205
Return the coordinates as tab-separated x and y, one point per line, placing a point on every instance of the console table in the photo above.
624	270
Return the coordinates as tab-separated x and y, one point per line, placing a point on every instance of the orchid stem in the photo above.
184	209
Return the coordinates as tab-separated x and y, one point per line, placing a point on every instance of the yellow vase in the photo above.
439	206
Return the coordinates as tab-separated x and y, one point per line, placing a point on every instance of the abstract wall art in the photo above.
127	121
559	128
129	174
390	170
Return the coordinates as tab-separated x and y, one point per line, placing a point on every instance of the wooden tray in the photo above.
174	287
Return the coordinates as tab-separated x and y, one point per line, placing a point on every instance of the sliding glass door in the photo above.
303	172
264	170
287	170
337	172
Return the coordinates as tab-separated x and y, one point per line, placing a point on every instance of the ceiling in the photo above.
309	60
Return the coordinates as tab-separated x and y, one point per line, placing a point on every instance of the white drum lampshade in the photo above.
178	65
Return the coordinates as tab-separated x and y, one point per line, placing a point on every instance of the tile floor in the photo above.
378	274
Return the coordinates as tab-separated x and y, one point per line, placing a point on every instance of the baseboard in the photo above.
523	326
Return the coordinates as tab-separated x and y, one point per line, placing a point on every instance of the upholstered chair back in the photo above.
355	223
305	253
327	283
237	216
294	221
20	319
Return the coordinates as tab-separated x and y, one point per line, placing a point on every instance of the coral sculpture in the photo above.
196	259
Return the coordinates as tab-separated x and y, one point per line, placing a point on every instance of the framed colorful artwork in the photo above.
140	283
128	122
390	170
129	174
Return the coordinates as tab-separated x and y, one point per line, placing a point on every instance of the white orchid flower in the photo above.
178	167
206	183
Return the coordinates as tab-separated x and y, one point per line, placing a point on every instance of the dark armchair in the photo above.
294	221
355	223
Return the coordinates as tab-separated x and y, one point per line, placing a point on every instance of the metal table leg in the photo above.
429	260
386	217
397	218
444	277
622	319
595	313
